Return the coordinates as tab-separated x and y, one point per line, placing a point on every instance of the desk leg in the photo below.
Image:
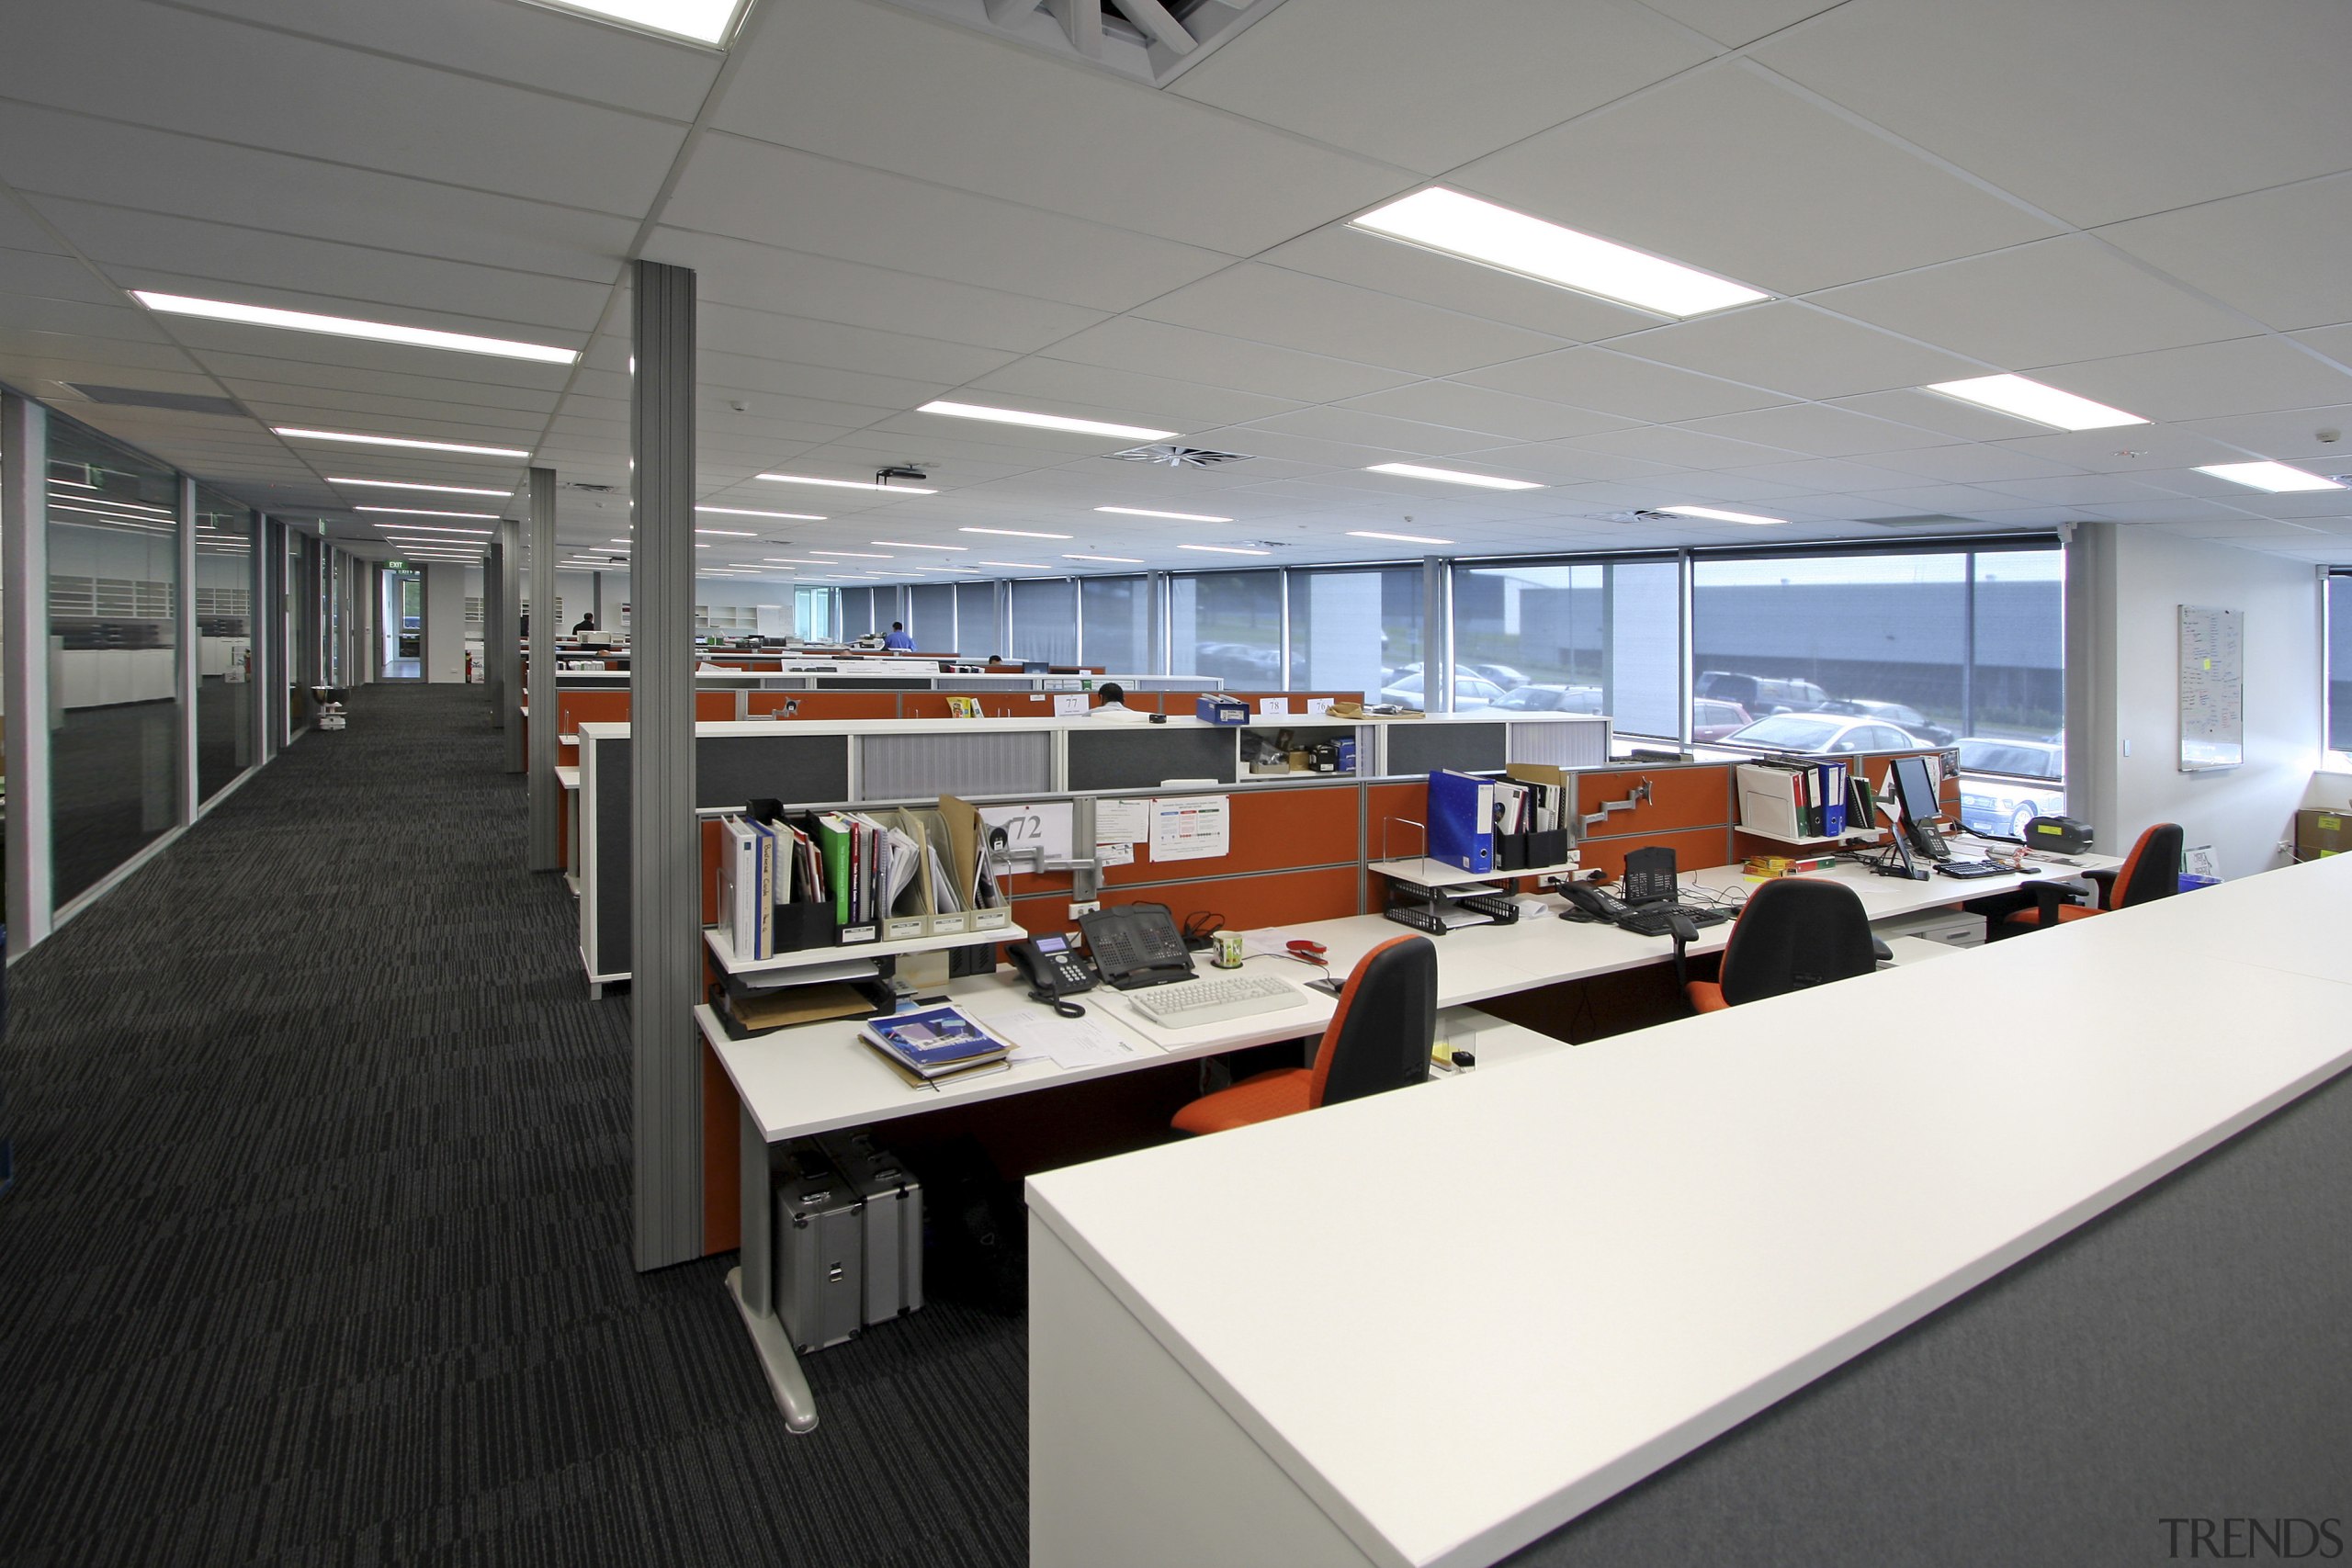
753	1284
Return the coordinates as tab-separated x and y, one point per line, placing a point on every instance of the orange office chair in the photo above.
1791	933
1379	1040
2151	871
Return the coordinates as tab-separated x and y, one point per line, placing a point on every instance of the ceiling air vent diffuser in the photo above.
1170	455
139	398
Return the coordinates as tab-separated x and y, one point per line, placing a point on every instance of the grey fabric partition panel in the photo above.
729	771
1417	748
1143	756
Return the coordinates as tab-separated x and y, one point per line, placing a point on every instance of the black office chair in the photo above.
1792	933
2152	871
1379	1040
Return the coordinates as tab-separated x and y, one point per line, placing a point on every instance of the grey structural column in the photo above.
665	926
1437	635
507	639
269	631
186	665
257	691
493	574
546	848
24	669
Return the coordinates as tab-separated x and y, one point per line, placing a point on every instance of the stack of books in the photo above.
935	1045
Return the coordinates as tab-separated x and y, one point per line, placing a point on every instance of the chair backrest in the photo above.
1381	1036
1795	932
2152	868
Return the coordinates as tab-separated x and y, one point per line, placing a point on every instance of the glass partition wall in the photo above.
224	710
113	607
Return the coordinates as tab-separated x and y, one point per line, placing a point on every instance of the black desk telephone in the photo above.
1137	944
1054	972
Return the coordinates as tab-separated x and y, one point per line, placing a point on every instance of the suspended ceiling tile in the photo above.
1503	416
1826	474
784	197
1553	461
1729	172
293	381
1220	359
1933	410
1375	430
1819	430
205	339
65	318
1613	383
2276	254
1972	462
798	283
2334	344
2097	111
318	408
49	277
2171	509
1736	22
2053	301
724	372
889	89
1316	316
864	349
2079	490
1347	255
213	78
1478	73
1796	349
1152	398
2287	435
2206	381
1679	446
2139	448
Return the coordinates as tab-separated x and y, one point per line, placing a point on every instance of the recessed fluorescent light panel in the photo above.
1719	515
1020	565
908	545
294	433
345	326
1174	516
1464	226
728	533
747	512
2274	478
1224	550
1121	560
439	490
711	22
1450	476
1047	421
1400	539
854	555
847	484
1013	532
415	511
2021	399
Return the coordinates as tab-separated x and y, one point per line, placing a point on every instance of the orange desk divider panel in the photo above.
1273	830
576	708
714	707
827	706
709	870
722	1158
1679	798
1694	848
1268	898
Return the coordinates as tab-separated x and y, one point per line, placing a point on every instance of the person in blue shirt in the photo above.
898	637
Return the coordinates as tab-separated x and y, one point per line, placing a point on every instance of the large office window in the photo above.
113	600
857	612
1116	611
1358	629
1227	625
975	620
1044	620
224	709
2338	611
1572	637
933	626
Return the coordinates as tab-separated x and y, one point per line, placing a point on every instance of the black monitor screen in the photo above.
1915	786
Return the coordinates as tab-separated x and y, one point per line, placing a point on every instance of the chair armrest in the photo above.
2047	896
2105	881
1879	950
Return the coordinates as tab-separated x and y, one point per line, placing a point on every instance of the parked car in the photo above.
1469	692
1909	717
1822	734
1759	695
1712	719
1502	675
2002	806
1552	699
1239	664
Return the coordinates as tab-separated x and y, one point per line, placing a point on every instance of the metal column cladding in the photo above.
493	683
185	671
23	611
504	641
546	848
666	922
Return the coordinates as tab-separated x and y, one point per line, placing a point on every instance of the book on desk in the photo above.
936	1043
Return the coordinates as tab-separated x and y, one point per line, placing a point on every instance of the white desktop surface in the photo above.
1643	1241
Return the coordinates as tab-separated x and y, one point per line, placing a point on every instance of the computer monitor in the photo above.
1915	787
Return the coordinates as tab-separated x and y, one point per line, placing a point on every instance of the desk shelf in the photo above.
1426	873
1852	836
722	949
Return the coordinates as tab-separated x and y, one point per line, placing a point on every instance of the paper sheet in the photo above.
1191	826
1036	1035
1122	821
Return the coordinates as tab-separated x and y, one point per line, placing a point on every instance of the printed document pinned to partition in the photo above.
1191	826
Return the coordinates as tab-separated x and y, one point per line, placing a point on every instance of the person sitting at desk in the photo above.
1113	707
587	624
898	638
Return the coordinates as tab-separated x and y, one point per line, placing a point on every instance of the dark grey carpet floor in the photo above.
318	1253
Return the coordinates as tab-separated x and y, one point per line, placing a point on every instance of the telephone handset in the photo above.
1588	902
1137	944
1054	972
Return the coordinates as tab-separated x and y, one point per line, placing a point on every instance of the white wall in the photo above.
444	622
2125	589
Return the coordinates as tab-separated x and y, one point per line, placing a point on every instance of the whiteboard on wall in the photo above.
2212	688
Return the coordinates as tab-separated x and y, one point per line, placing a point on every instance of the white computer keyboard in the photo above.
1187	1003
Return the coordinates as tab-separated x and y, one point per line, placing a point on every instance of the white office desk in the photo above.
1598	1260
